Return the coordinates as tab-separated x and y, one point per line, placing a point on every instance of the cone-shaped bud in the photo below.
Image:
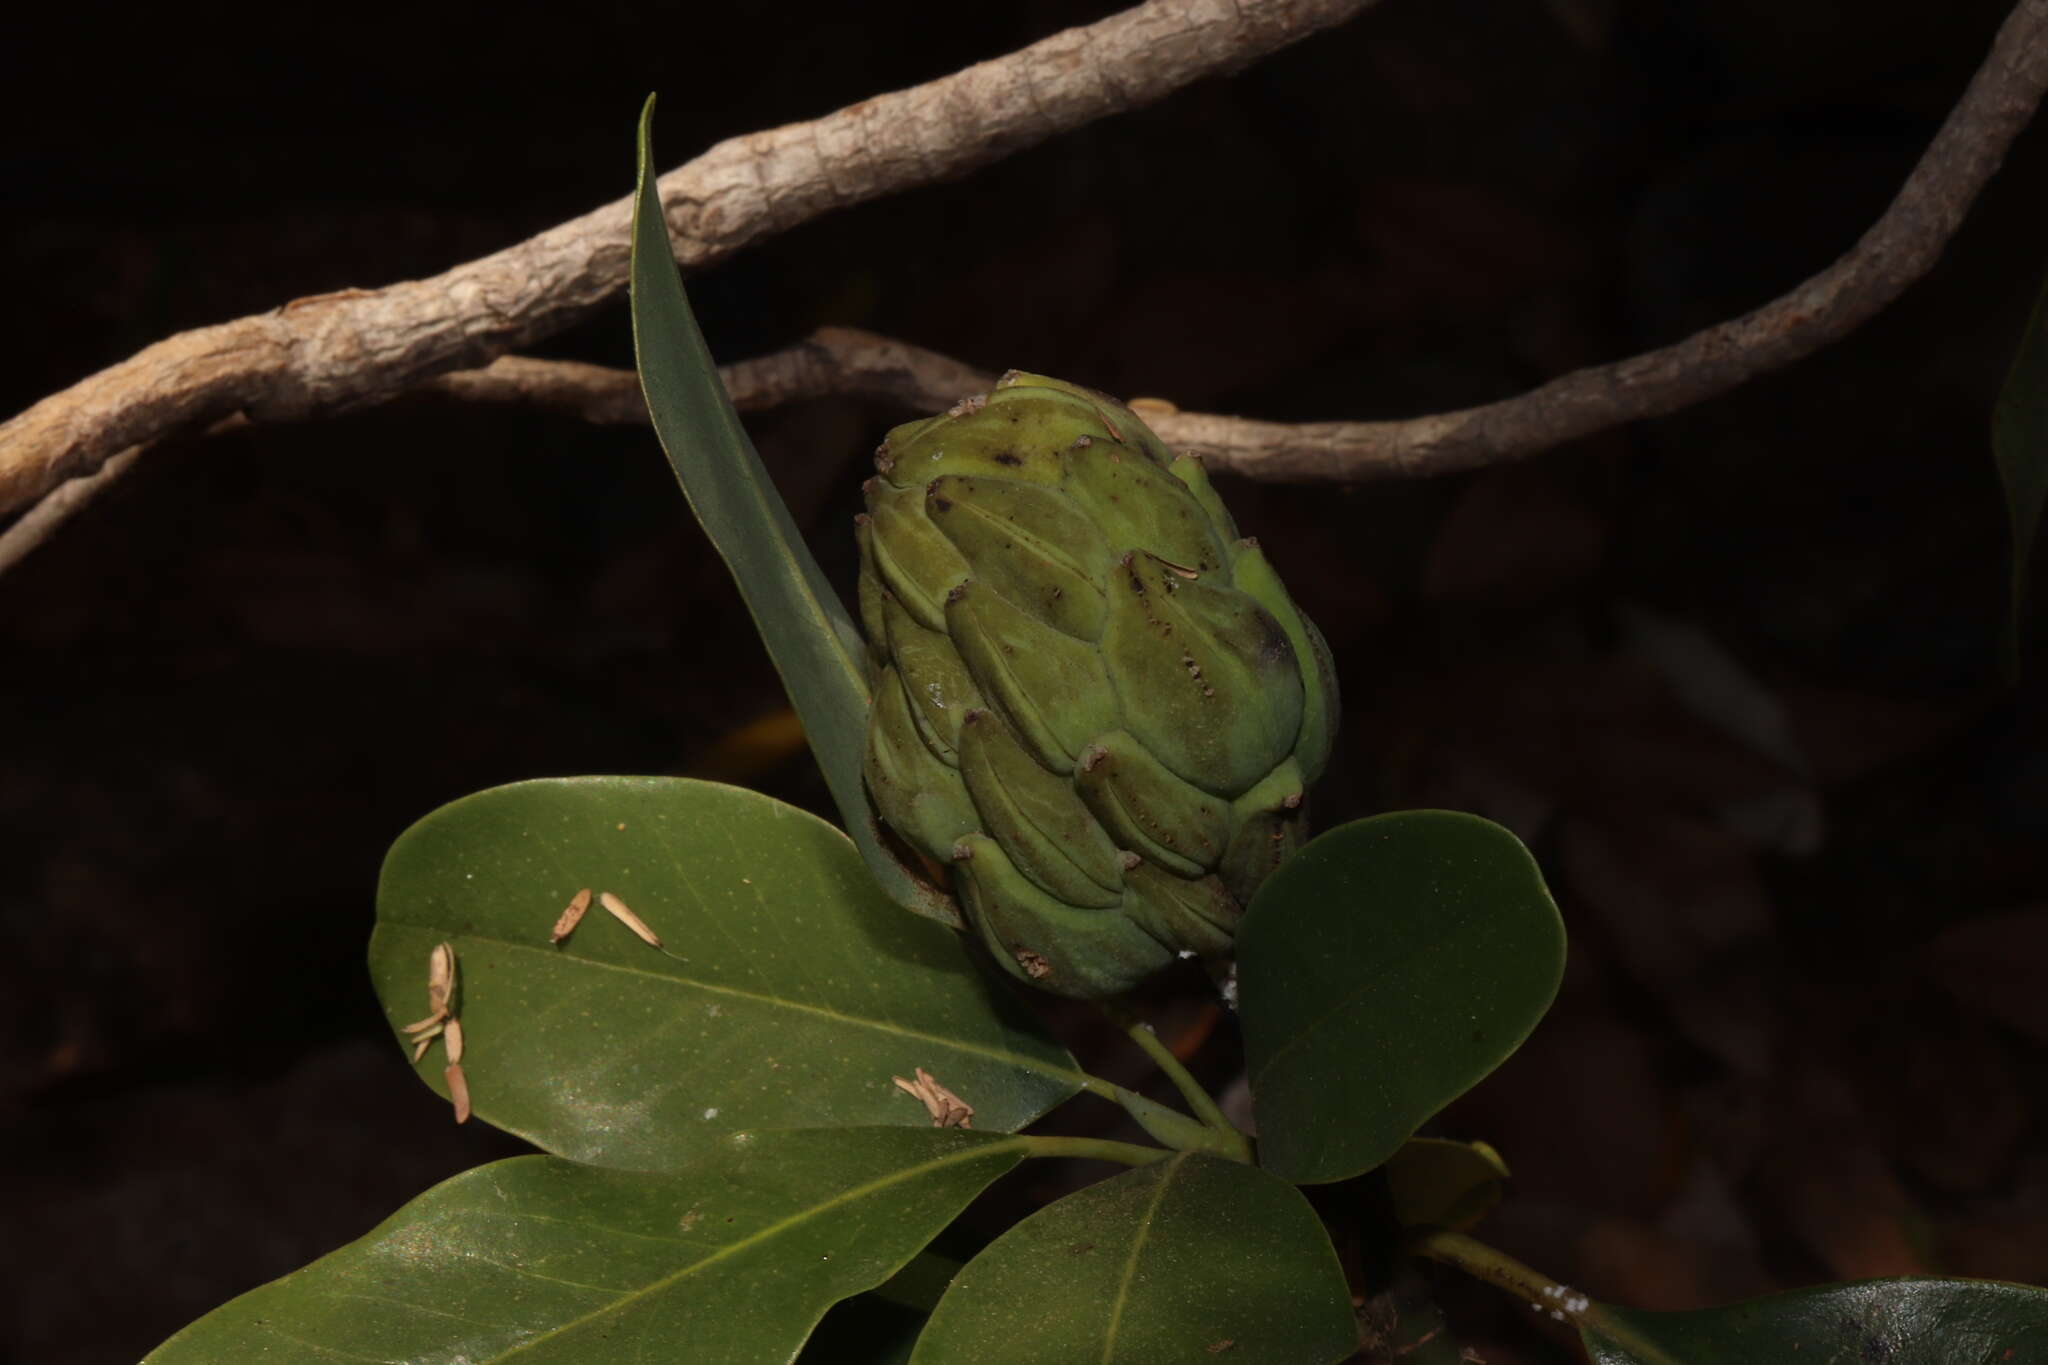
1037	817
1094	701
1048	685
1270	827
871	622
1206	677
940	689
1144	807
1199	915
1190	470
1319	709
1048	556
914	560
1041	939
916	794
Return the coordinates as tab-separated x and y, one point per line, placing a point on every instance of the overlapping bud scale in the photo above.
1092	700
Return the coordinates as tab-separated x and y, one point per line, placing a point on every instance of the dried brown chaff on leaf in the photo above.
571	917
947	1109
623	913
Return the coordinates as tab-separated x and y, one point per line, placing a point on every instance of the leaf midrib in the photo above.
1019	1060
976	1152
1168	1170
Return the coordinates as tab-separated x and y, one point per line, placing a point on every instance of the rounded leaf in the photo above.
1383	972
1189	1259
787	990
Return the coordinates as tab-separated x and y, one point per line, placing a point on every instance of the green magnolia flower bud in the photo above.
1092	700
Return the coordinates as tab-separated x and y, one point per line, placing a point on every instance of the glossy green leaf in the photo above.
1186	1259
1435	1183
787	991
1382	972
538	1260
2019	444
815	644
1898	1322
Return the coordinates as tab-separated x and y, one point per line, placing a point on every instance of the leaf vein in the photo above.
1123	1288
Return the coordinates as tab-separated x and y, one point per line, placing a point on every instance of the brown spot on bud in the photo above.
1082	443
963	852
1092	756
1035	967
1293	802
1128	858
1010	459
957	591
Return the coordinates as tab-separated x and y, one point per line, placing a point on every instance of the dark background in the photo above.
1732	673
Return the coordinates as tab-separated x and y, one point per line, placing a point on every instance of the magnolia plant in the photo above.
770	1062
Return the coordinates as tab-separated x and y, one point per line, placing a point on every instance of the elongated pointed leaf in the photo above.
1187	1259
787	990
2019	443
813	641
545	1262
1898	1322
1382	972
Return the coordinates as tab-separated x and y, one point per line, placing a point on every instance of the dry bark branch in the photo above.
834	361
842	361
332	352
1897	250
40	522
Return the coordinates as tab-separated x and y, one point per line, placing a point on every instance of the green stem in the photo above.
1180	1132
1170	1126
1095	1085
1538	1290
1094	1149
1198	1100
